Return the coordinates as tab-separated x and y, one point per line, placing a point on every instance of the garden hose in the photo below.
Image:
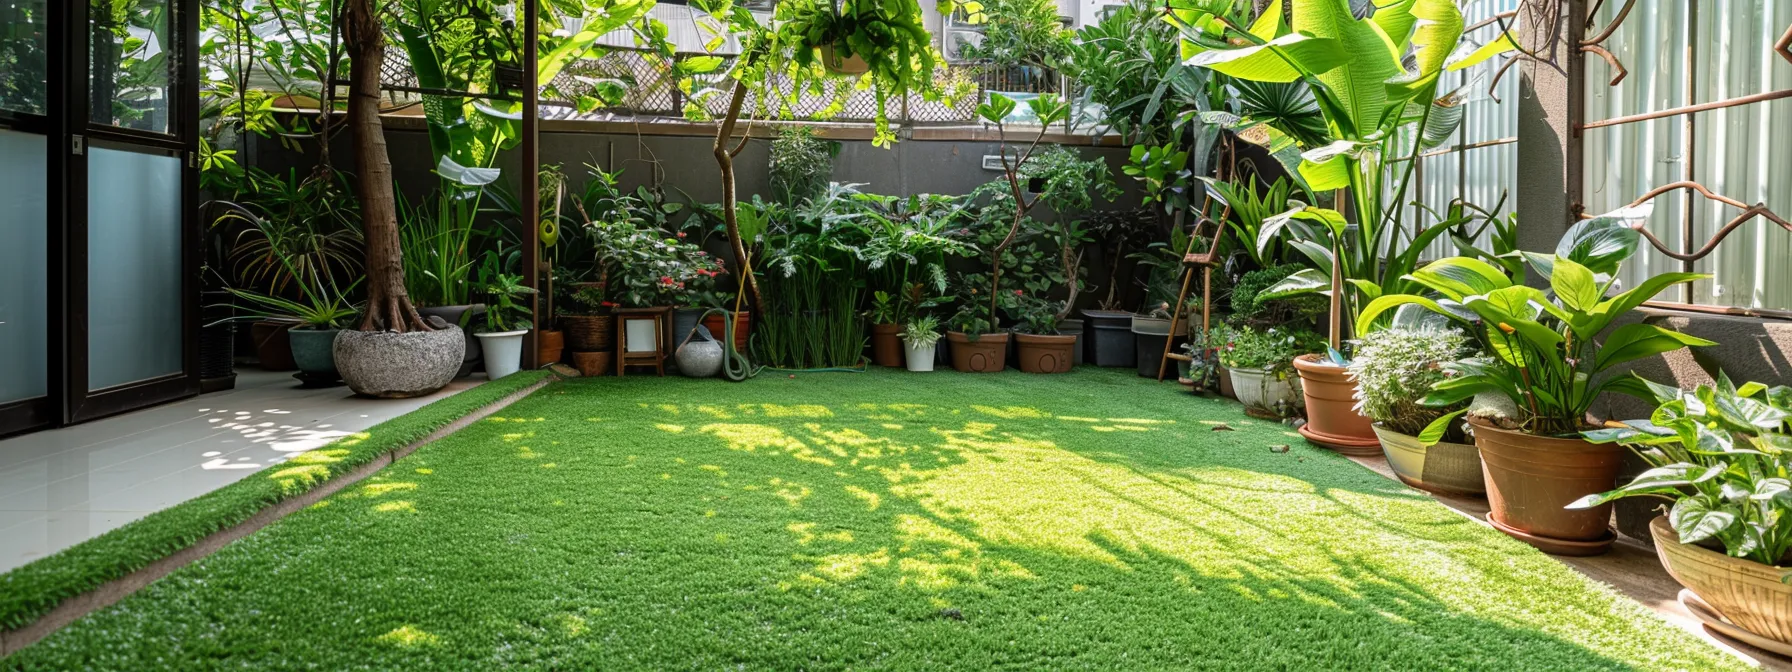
735	366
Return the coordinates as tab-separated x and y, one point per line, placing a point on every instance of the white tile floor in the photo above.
61	487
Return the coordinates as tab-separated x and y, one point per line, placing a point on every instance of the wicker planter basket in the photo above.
1746	593
589	333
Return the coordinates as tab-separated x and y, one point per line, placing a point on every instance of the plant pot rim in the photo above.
1044	338
1091	312
500	334
911	343
307	327
1382	428
994	337
1561	441
1664	534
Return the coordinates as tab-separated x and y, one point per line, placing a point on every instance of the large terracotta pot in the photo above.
273	346
1530	479
886	344
743	326
1046	354
1332	420
1260	391
987	354
589	333
1746	593
1443	467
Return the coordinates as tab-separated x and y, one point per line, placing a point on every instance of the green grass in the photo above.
32	590
887	520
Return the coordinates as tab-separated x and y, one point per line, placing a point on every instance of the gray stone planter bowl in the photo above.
393	365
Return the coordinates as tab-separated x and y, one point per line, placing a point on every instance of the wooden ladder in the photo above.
1191	260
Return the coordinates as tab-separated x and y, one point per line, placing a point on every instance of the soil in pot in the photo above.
1110	338
273	348
589	333
592	364
313	351
550	345
1746	594
1531	478
1444	467
886	344
1046	354
743	327
1332	420
987	354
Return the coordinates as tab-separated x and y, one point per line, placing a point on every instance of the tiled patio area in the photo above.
61	487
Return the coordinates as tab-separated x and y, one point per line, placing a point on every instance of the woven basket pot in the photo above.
1746	593
589	333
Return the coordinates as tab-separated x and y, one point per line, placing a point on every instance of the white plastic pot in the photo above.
503	352
920	357
1259	391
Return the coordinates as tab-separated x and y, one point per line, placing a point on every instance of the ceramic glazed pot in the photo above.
1110	338
550	344
1046	354
503	352
1531	478
1443	467
920	357
589	333
591	364
1332	420
1259	391
743	326
393	365
987	354
273	347
313	351
1747	594
886	344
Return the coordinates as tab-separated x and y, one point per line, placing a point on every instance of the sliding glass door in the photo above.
26	127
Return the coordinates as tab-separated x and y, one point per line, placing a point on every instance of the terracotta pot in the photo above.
589	333
1443	467
1332	420
1055	353
273	346
886	344
743	326
550	345
1746	593
1531	478
988	354
591	363
1259	391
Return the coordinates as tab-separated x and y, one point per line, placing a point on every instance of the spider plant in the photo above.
290	231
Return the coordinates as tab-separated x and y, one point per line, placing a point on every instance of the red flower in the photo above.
681	234
1019	293
666	280
609	304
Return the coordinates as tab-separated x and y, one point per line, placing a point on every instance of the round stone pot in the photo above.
886	344
1259	391
684	321
1444	467
1747	594
699	356
1530	479
393	365
1110	338
987	354
1046	353
1332	420
503	352
313	351
919	357
473	357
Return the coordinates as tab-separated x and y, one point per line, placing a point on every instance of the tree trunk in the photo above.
730	201
388	304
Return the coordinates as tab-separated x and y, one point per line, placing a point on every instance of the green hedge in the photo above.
30	591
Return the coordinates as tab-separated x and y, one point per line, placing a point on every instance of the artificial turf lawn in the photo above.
31	590
893	520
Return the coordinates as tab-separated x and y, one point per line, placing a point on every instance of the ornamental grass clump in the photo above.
1395	369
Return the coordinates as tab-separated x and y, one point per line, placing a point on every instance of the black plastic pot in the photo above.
1108	338
1070	327
1149	336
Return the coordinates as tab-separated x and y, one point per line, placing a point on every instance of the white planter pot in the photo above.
503	352
1259	391
920	358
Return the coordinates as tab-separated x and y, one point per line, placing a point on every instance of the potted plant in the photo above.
1394	369
312	321
1718	458
976	347
886	340
1042	348
1260	362
507	318
1108	328
589	326
1546	366
919	337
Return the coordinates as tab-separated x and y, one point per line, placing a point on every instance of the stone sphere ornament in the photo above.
700	356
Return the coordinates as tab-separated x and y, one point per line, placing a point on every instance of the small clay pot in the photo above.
1332	420
1530	479
886	344
1046	354
550	345
743	326
987	354
591	364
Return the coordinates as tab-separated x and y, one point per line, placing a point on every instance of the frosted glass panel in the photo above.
23	319
133	267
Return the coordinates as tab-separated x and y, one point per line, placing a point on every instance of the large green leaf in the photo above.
1645	290
1304	281
1396	21
1438	28
1461	277
1636	341
1695	520
1333	174
1574	285
1359	83
1468	55
1285	59
1603	242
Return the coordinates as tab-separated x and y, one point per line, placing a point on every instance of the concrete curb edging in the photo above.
111	592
